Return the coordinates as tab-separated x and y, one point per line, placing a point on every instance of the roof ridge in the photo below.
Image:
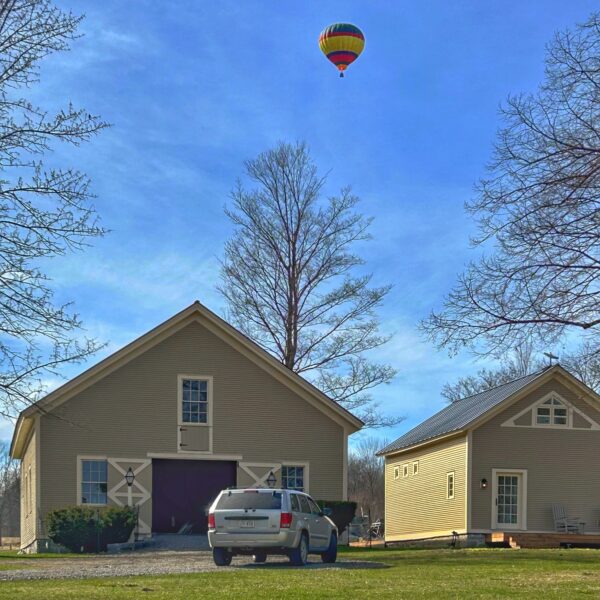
501	384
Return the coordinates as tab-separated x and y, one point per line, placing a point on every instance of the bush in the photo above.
78	527
342	512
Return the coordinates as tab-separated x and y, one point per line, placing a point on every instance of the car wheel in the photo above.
221	557
299	555
260	557
330	555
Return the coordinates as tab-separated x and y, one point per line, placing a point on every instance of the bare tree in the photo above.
366	477
288	278
538	214
43	213
584	363
9	495
518	363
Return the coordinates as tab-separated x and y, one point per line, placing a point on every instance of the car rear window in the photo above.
248	500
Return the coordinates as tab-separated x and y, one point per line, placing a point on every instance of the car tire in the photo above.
330	555
221	557
260	557
299	555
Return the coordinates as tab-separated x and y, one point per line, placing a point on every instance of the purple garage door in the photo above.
182	490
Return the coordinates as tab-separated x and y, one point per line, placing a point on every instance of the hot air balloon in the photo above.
342	44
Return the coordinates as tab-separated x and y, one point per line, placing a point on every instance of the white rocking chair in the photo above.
565	524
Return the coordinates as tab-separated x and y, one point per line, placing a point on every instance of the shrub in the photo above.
78	527
342	512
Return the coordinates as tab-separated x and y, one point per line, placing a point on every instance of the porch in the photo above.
526	539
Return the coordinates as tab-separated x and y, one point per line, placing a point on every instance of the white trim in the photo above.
209	410
345	467
305	473
275	466
450	474
80	458
194	456
121	490
594	426
199	314
38	477
469	482
521	524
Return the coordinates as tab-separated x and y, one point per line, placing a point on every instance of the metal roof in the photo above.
459	414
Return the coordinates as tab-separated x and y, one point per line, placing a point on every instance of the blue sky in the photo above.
195	88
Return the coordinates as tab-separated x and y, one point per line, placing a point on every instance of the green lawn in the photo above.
408	574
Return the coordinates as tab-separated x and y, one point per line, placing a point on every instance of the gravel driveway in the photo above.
147	563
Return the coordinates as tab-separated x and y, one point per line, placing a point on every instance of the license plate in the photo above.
247	524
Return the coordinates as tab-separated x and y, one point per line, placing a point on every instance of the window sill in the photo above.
195	425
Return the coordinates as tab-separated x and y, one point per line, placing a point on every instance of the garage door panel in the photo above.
182	490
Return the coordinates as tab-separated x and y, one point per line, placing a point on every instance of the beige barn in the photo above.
191	407
513	464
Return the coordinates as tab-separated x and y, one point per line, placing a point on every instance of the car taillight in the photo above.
286	520
211	521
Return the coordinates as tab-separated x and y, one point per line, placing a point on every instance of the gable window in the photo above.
194	400
450	485
415	468
552	412
404	470
94	480
292	478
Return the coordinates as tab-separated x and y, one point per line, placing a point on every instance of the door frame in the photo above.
522	505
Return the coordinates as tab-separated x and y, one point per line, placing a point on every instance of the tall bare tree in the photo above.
43	212
289	278
519	362
366	477
539	215
9	495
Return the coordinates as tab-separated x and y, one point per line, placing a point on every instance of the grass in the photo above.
476	573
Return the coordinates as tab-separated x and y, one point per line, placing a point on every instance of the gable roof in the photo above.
459	414
196	312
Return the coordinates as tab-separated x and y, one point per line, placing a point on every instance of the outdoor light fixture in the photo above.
129	477
271	481
484	483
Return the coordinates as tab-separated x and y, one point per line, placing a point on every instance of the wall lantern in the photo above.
484	484
129	477
271	481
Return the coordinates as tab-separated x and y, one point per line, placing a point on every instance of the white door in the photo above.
508	496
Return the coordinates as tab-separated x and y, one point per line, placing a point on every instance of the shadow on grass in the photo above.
346	564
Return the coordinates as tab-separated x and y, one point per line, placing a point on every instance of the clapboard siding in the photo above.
561	464
29	499
133	411
417	506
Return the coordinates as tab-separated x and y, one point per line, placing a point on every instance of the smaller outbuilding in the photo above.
514	464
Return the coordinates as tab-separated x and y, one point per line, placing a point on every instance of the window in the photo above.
295	503
194	401
404	470
415	466
304	505
552	412
292	478
93	481
314	509
450	485
396	472
250	500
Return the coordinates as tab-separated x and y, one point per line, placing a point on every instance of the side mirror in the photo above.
326	512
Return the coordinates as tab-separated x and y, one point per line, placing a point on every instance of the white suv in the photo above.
258	522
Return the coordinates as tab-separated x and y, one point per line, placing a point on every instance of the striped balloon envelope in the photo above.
342	44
